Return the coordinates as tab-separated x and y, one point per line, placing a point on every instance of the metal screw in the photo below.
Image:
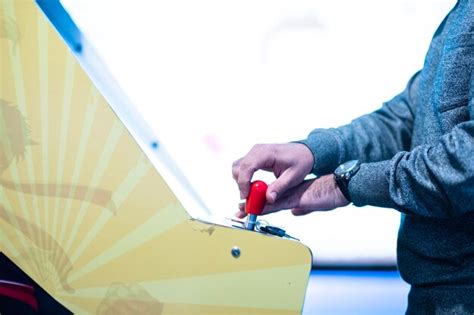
235	252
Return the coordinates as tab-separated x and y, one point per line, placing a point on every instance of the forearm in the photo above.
431	181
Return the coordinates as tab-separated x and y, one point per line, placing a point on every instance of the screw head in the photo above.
235	252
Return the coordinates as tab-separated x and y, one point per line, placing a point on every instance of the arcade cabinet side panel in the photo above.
85	214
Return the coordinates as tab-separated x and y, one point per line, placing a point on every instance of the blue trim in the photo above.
63	22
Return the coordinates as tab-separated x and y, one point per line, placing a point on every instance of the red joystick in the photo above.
255	202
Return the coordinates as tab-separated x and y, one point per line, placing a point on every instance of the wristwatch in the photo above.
343	175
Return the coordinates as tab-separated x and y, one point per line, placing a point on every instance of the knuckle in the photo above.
235	171
236	164
274	148
241	182
245	166
257	146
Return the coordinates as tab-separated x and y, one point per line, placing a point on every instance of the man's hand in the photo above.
319	194
290	162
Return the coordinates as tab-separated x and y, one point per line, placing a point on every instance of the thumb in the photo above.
300	211
282	184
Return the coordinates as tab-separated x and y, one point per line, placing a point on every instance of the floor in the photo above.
355	292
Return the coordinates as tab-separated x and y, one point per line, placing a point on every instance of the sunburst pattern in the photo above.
85	214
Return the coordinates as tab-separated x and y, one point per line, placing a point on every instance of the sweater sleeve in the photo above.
431	180
369	138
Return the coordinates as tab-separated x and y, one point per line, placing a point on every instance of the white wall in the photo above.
214	77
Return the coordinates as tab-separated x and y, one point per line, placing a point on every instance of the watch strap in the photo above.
343	185
343	175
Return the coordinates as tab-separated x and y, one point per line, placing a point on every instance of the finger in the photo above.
261	156
283	203
246	169
240	214
235	169
292	198
300	211
242	172
269	208
288	201
243	181
282	184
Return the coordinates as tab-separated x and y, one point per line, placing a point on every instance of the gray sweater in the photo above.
418	157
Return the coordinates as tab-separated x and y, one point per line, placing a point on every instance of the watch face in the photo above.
346	167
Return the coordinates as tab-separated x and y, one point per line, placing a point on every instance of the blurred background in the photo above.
212	78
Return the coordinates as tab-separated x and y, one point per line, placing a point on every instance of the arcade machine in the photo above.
94	216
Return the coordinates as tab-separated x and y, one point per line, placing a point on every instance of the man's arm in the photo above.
432	181
373	137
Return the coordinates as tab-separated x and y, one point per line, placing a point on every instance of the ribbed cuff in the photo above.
325	149
370	186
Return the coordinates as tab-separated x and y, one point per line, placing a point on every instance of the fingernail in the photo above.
273	196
